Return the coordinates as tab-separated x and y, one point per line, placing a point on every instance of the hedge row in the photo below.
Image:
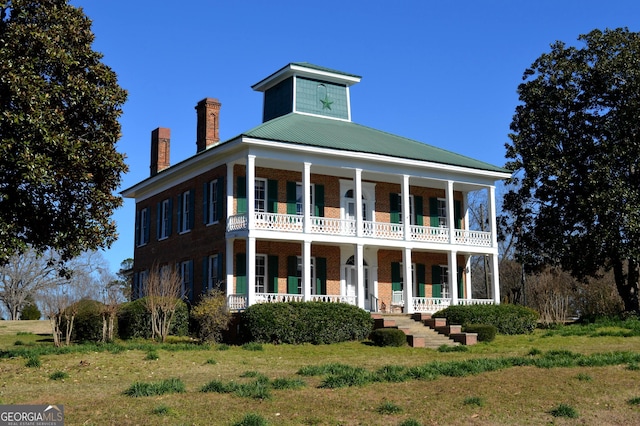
305	322
507	318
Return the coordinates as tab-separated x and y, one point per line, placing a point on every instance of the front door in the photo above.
351	282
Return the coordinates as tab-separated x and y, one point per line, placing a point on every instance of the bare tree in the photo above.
26	274
55	300
162	296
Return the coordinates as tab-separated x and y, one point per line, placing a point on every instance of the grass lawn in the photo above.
91	382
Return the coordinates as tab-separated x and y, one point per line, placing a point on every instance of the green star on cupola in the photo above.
326	103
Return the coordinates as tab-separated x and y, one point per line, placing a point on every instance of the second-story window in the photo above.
261	273
213	200
164	219
412	210
142	227
186	212
300	199
442	212
260	195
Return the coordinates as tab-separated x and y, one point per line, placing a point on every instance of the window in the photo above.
444	280
260	195
261	273
442	212
213	201
186	277
139	284
314	282
186	202
412	210
142	227
300	197
213	280
350	209
164	219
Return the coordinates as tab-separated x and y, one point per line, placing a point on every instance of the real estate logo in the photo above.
31	415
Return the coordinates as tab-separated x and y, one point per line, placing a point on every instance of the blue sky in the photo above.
440	72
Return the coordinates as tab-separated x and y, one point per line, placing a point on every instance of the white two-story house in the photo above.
310	206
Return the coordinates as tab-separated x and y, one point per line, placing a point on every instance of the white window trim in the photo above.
142	228
442	219
184	272
265	199
412	210
265	276
213	277
213	207
299	265
184	225
311	198
164	220
445	291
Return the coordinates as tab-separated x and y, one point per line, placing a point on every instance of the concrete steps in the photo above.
419	333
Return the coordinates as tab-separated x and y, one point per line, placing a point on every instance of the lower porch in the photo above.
427	305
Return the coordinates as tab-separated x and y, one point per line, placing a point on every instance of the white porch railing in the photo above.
238	302
475	302
347	227
430	304
473	238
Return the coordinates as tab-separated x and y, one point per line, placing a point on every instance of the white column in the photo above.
495	279
251	271
358	200
406	210
306	271
306	197
229	206
450	212
408	281
453	277
229	256
359	265
251	193
493	228
467	278
465	209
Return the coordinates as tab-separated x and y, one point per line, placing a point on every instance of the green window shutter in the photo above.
461	283
137	236
221	277
220	194
192	208
205	203
319	201
241	273
147	228
291	198
419	210
420	277
457	213
205	274
436	281
241	194
394	199
321	275
272	284
272	196
158	220
191	280
396	281
180	213
135	286
433	213
170	225
292	274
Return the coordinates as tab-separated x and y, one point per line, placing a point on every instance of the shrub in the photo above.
30	311
388	337
87	324
507	318
486	332
305	322
33	362
211	316
473	400
134	320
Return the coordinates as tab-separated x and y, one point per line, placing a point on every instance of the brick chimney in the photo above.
160	140
208	111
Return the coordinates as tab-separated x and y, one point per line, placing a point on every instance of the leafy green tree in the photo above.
59	110
575	153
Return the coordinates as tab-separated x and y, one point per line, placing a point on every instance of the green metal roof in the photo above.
348	136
